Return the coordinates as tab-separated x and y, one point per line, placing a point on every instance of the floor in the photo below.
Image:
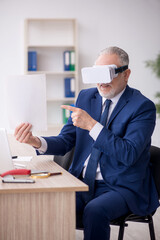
134	231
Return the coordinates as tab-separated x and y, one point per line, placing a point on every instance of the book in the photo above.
32	61
69	87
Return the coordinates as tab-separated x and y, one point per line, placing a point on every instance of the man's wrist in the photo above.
92	124
44	146
37	143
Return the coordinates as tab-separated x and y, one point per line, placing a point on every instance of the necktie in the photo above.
90	174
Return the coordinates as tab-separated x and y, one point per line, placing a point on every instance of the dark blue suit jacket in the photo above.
124	144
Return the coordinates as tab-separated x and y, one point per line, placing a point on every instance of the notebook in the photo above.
6	162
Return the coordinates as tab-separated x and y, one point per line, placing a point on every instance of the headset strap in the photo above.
121	69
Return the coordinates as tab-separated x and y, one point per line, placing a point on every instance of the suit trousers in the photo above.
95	216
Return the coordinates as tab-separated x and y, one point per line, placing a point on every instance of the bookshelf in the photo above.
50	38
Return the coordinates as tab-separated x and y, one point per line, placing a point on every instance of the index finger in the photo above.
70	108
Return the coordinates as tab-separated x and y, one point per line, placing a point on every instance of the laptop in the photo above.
6	162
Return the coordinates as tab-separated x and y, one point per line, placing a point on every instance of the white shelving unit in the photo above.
50	38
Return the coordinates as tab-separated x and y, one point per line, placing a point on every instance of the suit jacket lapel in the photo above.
96	106
121	103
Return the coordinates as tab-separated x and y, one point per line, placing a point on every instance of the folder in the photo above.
69	87
72	61
32	61
66	113
66	60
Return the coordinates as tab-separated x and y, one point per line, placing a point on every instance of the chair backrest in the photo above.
155	161
66	160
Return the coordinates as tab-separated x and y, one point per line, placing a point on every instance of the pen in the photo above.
45	175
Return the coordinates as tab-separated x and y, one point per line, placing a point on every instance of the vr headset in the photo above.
101	73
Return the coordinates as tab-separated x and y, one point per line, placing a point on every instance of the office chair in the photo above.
66	160
121	221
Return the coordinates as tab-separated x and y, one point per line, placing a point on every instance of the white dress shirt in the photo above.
95	131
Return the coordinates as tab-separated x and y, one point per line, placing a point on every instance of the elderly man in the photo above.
110	128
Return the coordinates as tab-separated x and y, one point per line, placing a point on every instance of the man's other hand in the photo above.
80	118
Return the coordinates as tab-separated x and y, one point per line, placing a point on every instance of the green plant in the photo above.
155	66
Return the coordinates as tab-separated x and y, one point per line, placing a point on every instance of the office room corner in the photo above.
51	56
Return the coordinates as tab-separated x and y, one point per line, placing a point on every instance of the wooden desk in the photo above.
43	210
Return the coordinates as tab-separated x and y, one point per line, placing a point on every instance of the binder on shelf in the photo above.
69	87
69	60
66	58
66	114
32	61
72	61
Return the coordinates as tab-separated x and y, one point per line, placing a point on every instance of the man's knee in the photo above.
94	211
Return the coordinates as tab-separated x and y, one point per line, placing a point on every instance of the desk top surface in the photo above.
64	182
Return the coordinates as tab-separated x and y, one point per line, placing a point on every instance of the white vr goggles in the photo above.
101	73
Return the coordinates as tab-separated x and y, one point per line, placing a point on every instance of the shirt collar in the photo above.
114	99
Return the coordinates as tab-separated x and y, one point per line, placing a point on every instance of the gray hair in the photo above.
123	56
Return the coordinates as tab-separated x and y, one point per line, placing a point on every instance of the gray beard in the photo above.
109	95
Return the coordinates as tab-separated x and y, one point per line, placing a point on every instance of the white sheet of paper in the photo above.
25	97
22	159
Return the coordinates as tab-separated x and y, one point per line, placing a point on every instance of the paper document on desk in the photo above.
22	159
25	97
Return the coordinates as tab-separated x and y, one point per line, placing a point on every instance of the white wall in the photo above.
131	25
